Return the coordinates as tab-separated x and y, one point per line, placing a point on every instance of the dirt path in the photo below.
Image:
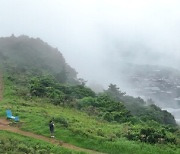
4	125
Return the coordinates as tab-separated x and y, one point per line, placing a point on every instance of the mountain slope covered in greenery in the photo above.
22	54
40	86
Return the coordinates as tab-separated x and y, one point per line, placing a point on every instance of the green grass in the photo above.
81	130
13	143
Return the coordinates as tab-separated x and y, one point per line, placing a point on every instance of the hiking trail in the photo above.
5	125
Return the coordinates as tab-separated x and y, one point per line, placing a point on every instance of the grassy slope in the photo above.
13	143
82	130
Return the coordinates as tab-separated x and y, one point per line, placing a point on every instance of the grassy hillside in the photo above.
13	143
110	122
79	128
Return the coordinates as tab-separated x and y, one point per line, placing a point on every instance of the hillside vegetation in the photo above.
39	86
28	55
13	143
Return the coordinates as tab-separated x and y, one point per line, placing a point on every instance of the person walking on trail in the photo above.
51	127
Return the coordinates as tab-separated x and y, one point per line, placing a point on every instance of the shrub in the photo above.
62	121
150	135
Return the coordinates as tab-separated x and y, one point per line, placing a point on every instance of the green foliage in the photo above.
12	143
105	107
114	92
81	91
111	117
81	130
137	107
62	121
152	112
41	86
150	135
58	93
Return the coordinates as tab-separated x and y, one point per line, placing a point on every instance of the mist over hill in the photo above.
150	81
25	53
105	72
23	57
156	82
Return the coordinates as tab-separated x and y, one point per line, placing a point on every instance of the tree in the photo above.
114	92
82	81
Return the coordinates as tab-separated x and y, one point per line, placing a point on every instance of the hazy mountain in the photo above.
25	53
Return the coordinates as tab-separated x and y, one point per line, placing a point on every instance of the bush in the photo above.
85	102
62	121
150	135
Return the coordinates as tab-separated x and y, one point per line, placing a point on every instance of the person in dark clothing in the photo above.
51	128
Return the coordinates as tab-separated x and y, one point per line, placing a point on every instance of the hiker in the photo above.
51	127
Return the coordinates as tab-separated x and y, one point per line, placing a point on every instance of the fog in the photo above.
99	37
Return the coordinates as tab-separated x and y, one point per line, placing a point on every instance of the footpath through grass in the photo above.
76	127
13	143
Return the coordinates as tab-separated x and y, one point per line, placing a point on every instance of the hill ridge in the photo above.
24	54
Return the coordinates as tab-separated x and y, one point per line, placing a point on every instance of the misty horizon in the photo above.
100	38
90	76
100	31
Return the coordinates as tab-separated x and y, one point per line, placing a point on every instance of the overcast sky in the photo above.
95	35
